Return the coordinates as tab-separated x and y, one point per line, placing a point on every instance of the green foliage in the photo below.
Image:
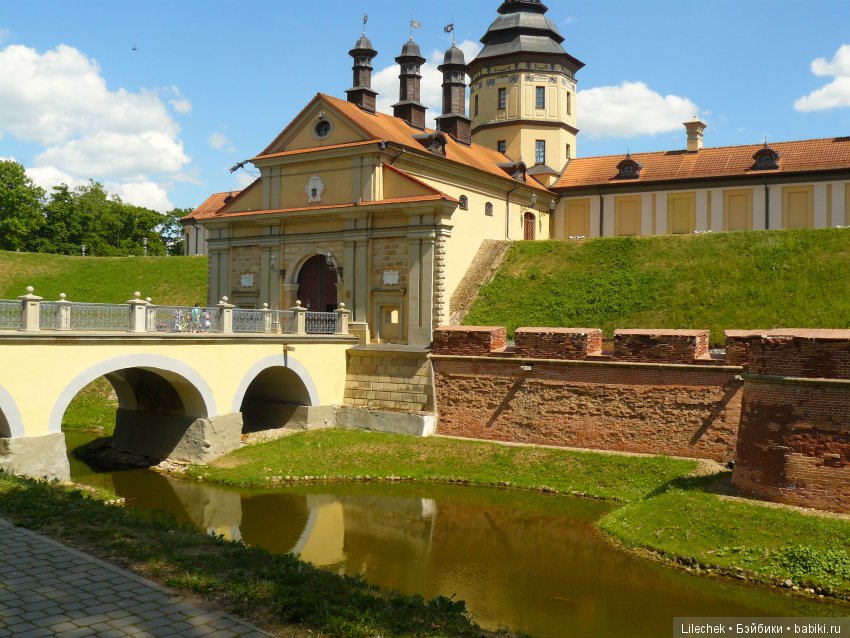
352	453
181	281
20	206
172	230
92	410
270	590
748	280
806	564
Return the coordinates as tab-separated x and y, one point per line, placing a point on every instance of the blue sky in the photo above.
213	82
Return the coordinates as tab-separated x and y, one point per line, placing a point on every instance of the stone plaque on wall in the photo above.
391	278
247	281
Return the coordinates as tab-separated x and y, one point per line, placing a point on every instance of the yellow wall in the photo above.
305	136
798	207
738	209
681	213
36	374
627	211
335	173
577	218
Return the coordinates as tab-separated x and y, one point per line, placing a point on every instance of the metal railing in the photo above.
100	316
183	319
32	314
321	323
48	318
249	321
11	314
284	322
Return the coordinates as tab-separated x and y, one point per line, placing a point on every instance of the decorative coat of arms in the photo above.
314	189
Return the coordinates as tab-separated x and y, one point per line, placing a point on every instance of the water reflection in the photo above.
531	562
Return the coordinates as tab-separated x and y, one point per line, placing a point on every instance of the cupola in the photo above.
453	121
409	108
361	92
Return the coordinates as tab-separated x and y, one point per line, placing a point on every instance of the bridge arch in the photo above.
306	393
189	386
11	424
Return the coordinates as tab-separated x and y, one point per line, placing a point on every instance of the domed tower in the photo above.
409	108
361	92
453	120
523	88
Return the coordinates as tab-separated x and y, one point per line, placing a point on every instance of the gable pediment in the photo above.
319	124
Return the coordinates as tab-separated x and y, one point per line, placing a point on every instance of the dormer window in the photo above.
766	159
629	168
435	142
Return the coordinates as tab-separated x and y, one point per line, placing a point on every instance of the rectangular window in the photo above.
540	100
502	146
503	99
540	151
476	106
569	104
569	151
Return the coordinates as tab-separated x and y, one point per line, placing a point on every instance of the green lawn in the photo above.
167	280
92	410
748	280
691	523
348	454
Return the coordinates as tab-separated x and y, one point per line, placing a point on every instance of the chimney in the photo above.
361	92
453	121
695	130
408	108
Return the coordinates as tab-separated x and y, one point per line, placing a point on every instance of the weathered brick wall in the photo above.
469	341
794	440
677	410
557	343
737	346
662	346
816	354
389	380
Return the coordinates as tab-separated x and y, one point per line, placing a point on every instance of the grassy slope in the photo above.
765	279
352	453
167	280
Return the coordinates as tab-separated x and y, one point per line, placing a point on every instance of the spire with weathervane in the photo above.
361	92
409	108
454	121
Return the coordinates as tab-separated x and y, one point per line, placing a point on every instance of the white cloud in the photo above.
59	100
145	194
834	95
220	142
180	103
244	180
386	82
631	109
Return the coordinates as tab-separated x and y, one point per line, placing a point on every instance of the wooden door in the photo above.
317	285
529	226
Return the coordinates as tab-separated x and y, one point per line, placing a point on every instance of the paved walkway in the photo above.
48	589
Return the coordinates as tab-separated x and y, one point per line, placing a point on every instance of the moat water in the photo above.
531	562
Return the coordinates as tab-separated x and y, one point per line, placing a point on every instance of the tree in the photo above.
21	206
172	230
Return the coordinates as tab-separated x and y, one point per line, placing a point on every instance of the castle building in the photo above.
385	215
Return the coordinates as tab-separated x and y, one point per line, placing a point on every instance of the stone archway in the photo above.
11	424
278	392
318	285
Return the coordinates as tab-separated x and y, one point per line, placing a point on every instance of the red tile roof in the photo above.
806	156
301	151
382	127
211	205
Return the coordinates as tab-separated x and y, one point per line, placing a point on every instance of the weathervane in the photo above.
414	24
365	20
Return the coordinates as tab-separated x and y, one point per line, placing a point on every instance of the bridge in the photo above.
189	381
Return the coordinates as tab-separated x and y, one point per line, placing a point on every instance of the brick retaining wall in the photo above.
388	378
794	439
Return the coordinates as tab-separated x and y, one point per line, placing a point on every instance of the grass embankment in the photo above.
92	410
278	592
353	454
687	521
692	523
166	280
748	280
